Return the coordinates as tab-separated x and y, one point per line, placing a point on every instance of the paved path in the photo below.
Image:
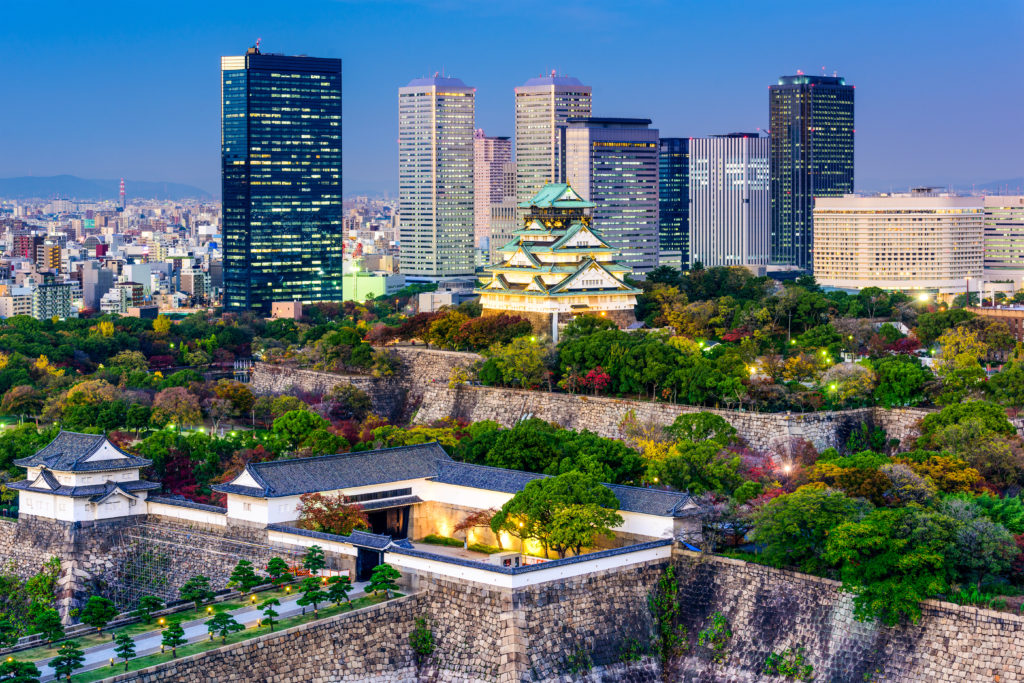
148	642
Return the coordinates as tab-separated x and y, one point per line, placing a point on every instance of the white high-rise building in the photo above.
543	105
490	155
614	164
916	241
435	177
1004	239
730	200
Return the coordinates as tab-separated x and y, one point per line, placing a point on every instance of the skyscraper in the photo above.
729	200
281	179
543	105
435	177
614	164
1004	238
490	154
811	121
674	201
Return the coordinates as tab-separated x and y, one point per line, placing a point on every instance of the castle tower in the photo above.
558	266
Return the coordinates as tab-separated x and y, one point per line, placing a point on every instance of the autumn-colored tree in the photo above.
959	364
801	368
238	394
129	360
331	514
162	325
176	406
22	400
480	519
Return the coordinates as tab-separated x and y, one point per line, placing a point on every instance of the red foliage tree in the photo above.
331	514
597	379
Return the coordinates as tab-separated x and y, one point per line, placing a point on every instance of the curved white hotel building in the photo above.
915	241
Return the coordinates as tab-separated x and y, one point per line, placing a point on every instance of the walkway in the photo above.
148	642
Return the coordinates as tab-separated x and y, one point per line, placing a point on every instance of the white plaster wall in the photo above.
248	509
187	514
294	540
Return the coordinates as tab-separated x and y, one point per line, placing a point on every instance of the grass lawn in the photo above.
204	645
96	638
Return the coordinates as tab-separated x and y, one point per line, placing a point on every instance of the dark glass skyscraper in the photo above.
674	198
281	179
811	121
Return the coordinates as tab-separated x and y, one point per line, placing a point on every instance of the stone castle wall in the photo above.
762	431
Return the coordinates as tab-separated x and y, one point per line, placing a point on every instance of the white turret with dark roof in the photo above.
82	477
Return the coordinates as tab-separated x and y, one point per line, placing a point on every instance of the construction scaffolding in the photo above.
151	559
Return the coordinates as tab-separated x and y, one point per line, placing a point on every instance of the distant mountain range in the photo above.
73	187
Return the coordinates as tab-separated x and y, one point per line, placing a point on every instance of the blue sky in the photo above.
109	89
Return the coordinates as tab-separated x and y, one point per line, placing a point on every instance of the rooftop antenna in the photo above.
258	41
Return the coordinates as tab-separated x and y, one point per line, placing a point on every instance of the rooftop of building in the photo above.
72	452
557	195
554	79
606	121
437	81
336	472
811	79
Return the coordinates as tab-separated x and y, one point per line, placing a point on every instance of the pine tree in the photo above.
223	624
69	658
383	579
267	607
173	637
125	647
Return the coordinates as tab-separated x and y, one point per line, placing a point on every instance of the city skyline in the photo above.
171	133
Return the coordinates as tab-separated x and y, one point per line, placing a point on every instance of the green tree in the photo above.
421	640
520	363
792	528
1006	386
9	633
147	605
173	637
68	660
223	624
124	648
312	593
702	426
98	612
269	613
893	559
538	511
383	578
244	577
901	380
959	364
338	589
13	671
698	468
992	417
314	559
277	570
48	625
295	425
197	590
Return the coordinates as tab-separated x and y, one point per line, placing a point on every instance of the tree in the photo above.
48	625
520	363
173	637
383	578
959	364
124	647
992	416
901	381
269	613
244	577
534	511
9	633
698	468
702	426
421	640
314	559
176	406
331	514
223	624
893	559
147	605
311	593
162	325
98	612
197	590
338	589
295	425
68	660
1006	386
13	671
277	570
792	528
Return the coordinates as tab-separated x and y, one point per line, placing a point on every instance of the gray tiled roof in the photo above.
360	538
386	503
182	501
343	471
69	450
631	498
91	490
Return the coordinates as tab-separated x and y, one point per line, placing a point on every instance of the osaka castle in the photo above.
557	266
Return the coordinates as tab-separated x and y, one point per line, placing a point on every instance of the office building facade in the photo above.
613	163
435	177
907	242
543	105
729	200
1004	239
674	201
812	127
490	155
281	160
